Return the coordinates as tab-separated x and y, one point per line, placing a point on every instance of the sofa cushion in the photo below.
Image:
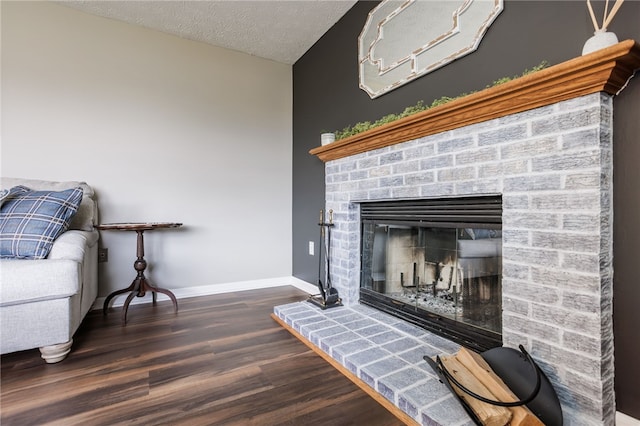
30	221
86	217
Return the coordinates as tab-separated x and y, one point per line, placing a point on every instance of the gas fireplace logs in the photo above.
502	407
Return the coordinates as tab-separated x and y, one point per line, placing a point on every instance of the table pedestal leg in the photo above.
140	284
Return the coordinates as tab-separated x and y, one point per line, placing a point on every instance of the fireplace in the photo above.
436	263
543	143
551	168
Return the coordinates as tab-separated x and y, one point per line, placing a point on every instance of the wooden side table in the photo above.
140	284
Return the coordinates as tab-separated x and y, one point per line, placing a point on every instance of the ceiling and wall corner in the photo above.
281	31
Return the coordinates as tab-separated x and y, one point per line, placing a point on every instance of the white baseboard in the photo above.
206	290
624	420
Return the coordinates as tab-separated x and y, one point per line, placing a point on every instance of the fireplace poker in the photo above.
328	295
320	285
332	296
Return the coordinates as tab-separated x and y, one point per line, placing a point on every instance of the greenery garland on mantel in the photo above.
607	70
420	106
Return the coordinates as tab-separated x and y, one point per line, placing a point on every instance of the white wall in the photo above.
164	129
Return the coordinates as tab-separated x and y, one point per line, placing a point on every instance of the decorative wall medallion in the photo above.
405	39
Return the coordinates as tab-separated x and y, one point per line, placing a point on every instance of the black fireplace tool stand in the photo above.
328	297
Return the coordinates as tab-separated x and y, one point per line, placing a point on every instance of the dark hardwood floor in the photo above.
220	361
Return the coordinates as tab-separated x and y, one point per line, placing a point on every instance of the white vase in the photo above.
327	138
600	39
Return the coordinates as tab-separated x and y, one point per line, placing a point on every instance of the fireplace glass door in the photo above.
445	278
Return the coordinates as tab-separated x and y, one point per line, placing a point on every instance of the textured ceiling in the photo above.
278	30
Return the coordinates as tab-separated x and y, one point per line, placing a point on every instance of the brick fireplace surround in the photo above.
544	143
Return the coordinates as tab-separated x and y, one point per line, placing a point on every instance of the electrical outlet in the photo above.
311	248
103	255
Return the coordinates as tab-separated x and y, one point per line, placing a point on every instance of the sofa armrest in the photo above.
71	245
57	276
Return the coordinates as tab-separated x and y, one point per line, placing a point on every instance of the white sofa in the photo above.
42	302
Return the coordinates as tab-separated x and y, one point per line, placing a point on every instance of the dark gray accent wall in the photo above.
626	245
326	96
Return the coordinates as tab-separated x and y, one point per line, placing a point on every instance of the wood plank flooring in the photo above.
220	361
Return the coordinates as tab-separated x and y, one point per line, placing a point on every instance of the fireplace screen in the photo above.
442	272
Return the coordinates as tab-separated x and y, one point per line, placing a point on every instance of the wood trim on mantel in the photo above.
606	70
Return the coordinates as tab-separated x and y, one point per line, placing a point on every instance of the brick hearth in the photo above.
383	352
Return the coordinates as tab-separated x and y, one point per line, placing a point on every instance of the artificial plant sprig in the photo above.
363	126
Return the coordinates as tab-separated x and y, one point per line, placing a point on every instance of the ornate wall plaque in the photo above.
405	39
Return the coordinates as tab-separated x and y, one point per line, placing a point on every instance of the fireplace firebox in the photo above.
436	263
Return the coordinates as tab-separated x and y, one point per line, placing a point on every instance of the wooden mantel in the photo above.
605	70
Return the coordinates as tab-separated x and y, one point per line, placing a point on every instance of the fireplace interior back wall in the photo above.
437	264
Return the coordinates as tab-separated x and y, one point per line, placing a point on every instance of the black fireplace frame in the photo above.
483	212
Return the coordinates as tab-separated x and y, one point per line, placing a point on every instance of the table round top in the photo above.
137	226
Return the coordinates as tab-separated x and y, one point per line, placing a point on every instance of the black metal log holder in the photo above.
523	377
328	297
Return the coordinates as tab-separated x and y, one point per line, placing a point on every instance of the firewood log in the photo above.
490	415
522	416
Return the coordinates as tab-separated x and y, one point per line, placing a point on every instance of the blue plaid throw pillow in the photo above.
30	221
